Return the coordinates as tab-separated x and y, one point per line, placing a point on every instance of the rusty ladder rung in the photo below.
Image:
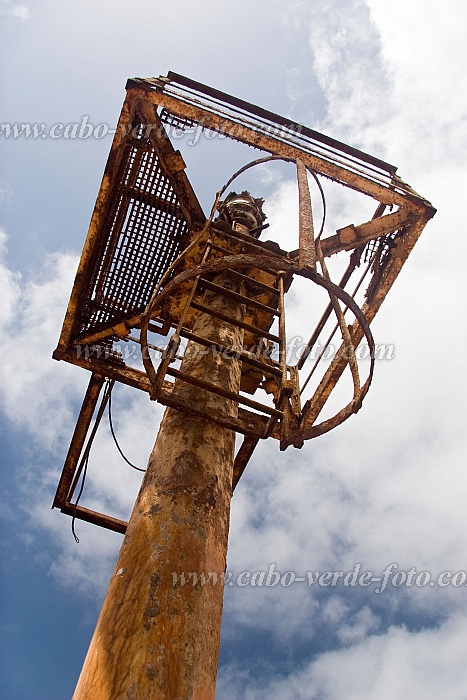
231	395
243	355
255	283
221	249
246	239
228	319
239	297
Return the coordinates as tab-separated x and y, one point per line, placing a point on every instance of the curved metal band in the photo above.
267	263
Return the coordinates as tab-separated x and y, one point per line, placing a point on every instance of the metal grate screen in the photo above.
145	231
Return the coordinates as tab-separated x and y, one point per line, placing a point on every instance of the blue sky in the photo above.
389	486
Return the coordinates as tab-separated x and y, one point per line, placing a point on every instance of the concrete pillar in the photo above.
157	637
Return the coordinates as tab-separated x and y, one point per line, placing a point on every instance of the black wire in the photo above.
138	469
107	397
85	459
83	479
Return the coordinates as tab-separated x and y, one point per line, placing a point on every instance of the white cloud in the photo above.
359	626
348	65
32	383
426	55
19	10
9	282
393	666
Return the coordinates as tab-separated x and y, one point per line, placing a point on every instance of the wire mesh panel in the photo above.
145	233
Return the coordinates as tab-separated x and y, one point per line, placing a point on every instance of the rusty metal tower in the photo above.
155	265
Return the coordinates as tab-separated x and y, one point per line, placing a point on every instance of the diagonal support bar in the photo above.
307	254
77	441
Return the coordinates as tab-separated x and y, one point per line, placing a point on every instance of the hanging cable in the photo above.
133	466
83	466
83	479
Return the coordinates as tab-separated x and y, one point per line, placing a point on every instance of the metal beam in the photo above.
95	518
282	121
307	251
395	192
189	204
242	458
350	237
77	441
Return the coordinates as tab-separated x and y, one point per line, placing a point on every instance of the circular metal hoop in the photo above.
268	263
268	159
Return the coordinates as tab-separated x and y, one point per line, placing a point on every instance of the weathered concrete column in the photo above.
157	637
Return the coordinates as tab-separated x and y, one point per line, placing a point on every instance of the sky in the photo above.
387	487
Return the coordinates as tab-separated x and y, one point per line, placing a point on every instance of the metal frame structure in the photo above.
151	253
